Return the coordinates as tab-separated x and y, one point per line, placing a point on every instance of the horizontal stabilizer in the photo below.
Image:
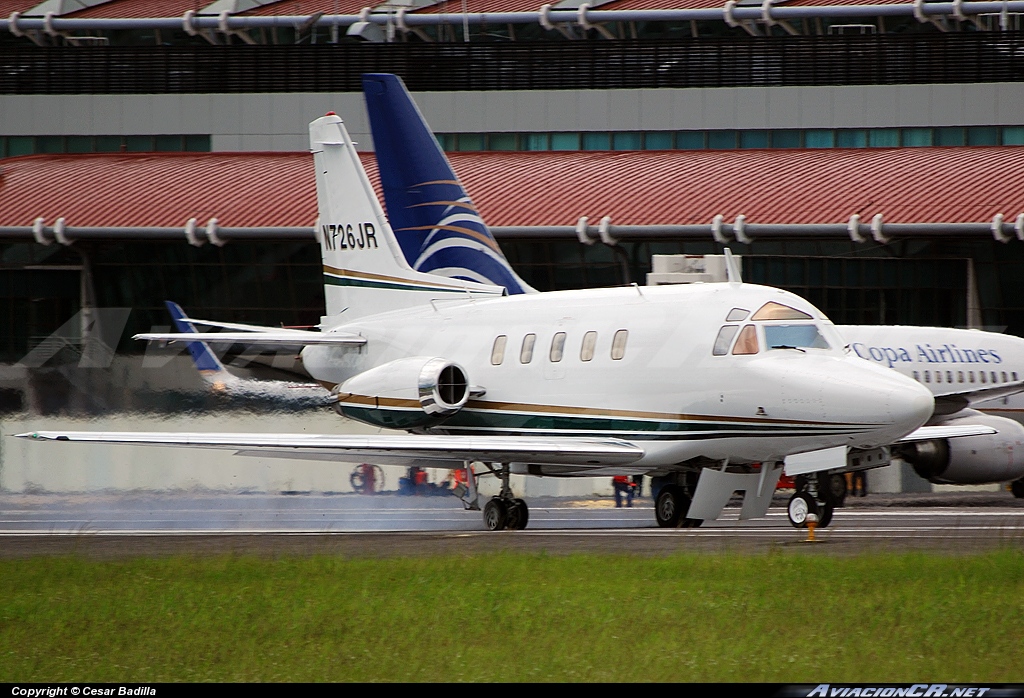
951	431
273	338
387	449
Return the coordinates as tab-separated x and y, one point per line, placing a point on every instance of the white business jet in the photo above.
712	386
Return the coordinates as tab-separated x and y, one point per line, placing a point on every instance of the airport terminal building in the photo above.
866	157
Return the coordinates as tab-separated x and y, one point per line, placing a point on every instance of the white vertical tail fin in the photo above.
365	272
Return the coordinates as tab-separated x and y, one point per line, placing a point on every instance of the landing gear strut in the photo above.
816	495
505	511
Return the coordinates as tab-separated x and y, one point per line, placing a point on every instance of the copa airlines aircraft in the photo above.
976	378
711	386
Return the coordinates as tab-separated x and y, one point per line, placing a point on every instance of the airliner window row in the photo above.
960	376
730	139
588	346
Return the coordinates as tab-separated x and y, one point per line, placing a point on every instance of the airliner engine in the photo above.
971	460
418	391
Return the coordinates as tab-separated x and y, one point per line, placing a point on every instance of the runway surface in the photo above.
113	525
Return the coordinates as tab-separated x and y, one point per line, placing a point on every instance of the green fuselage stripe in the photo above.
369	283
483	422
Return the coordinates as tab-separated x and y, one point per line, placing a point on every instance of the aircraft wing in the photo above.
433	450
951	403
950	431
294	338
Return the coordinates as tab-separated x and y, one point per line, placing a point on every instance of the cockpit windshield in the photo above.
794	337
777	311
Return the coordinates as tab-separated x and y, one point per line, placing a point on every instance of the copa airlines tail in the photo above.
365	272
435	222
205	360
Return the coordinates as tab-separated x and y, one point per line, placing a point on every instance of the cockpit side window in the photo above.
794	337
724	340
776	311
736	315
747	342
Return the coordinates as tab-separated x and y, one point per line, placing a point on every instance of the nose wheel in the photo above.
801	505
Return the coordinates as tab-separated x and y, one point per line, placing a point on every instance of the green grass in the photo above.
777	617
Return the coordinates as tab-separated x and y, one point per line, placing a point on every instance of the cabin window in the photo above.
747	342
949	376
1004	376
938	376
587	348
927	377
737	314
777	311
557	347
619	344
917	376
959	376
981	376
1014	375
994	380
794	337
724	340
970	376
498	350
526	353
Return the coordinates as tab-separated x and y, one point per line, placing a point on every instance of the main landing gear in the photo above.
505	511
673	501
816	494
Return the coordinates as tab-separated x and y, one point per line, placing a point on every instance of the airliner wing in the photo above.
950	403
950	431
387	449
296	338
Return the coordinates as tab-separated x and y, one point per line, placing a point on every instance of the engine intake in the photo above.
418	391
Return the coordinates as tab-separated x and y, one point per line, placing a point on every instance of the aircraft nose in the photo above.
907	404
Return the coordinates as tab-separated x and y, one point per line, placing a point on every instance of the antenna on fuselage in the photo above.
732	269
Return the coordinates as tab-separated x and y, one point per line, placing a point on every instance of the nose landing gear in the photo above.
814	495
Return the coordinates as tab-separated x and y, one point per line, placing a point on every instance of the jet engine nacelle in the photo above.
418	391
971	460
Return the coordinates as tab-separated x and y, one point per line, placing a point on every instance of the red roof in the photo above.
134	9
9	6
309	7
819	3
906	185
472	6
661	5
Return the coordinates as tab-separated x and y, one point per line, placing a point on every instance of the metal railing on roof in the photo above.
962	57
876	231
731	13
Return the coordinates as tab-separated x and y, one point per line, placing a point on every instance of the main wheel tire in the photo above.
1017	487
668	508
518	515
800	506
495	515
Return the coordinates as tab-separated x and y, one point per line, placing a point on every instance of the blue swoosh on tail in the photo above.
433	218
